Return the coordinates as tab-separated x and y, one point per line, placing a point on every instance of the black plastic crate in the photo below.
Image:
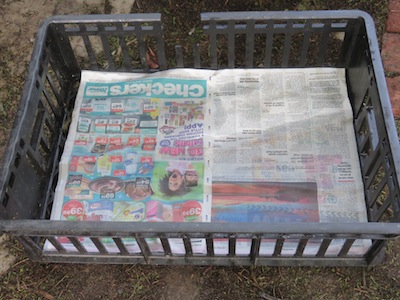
235	39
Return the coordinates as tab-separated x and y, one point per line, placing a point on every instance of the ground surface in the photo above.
29	280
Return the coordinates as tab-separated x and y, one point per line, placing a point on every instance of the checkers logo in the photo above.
97	91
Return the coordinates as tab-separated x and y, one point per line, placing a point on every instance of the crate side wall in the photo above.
35	144
377	163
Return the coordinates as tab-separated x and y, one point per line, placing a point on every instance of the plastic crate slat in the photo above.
29	244
323	46
210	245
37	126
43	68
376	191
355	27
78	245
144	248
121	246
386	204
363	96
396	208
90	51
232	245
323	247
99	245
250	31
300	247
124	49
56	94
372	163
58	79
166	246
60	248
159	35
53	108
196	56
179	56
393	187
255	249
213	44
364	143
349	42
38	137
278	247
231	44
287	43
375	163
268	44
45	144
360	120
188	246
106	48
142	48
346	247
51	126
374	250
305	44
63	58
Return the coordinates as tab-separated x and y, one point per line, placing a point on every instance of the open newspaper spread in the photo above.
185	145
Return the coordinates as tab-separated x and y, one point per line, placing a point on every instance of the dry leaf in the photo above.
152	59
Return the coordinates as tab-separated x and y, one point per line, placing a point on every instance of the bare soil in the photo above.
30	280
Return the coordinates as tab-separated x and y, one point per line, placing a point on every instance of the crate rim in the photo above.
82	228
290	14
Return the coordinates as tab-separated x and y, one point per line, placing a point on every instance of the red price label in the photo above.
191	211
80	143
102	140
73	210
115	158
146	159
74	159
116	141
119	173
150	140
133	141
89	159
148	147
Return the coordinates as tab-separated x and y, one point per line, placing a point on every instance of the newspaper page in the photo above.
135	153
283	149
186	145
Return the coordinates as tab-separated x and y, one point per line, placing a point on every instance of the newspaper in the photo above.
186	145
282	149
